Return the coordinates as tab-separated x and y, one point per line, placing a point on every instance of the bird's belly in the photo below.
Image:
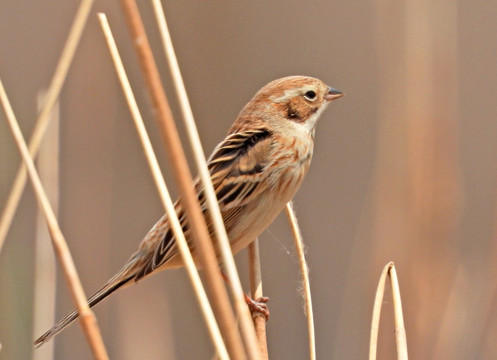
257	216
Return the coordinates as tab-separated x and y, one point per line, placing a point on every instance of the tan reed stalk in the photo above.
400	332
375	322
164	193
87	318
222	238
44	116
304	271
207	258
256	293
44	293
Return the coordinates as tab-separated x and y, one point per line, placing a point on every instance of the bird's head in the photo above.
295	101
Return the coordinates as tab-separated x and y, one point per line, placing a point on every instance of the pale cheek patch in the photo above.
310	124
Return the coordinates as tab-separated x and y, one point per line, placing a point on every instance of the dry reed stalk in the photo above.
87	318
164	193
44	116
304	271
44	293
256	293
222	238
207	258
400	332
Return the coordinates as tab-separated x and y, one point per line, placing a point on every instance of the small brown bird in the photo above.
255	171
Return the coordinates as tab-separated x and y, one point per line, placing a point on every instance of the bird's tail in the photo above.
123	277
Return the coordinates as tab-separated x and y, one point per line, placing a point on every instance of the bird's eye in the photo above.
310	95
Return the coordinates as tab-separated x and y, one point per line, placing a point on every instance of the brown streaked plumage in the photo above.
255	171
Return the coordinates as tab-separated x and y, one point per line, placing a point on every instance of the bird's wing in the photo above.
236	168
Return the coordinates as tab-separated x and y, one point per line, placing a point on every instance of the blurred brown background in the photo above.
404	170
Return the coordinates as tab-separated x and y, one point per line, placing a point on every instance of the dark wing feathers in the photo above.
233	147
237	164
235	167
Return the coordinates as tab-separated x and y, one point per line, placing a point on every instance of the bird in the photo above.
256	170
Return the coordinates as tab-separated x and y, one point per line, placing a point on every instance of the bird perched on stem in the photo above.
255	171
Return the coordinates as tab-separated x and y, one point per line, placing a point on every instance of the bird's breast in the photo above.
292	158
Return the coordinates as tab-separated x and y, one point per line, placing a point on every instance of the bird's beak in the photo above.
333	94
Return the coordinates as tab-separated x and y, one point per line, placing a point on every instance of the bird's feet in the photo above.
258	307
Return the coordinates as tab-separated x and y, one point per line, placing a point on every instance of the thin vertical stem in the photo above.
44	116
44	265
256	293
87	318
400	332
375	321
304	271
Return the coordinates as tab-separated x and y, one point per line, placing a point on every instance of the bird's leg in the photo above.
258	306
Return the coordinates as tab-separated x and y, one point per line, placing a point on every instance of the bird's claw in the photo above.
258	307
